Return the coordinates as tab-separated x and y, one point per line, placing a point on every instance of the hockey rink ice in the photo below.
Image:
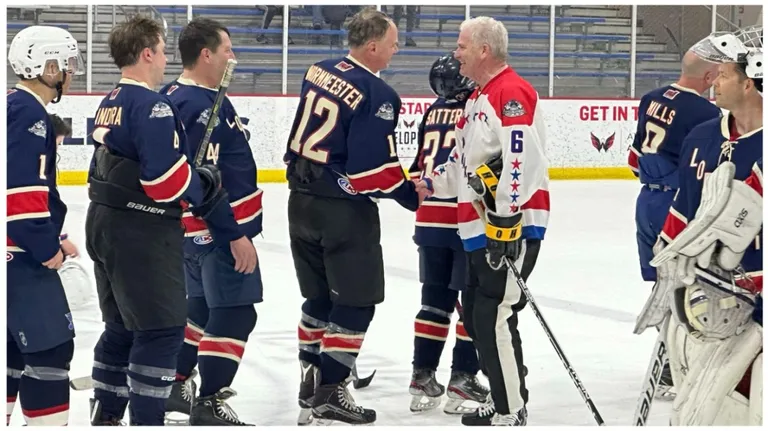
586	281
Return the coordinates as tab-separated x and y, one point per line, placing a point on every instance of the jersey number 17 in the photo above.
654	137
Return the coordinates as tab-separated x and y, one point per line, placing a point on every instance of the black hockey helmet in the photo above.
447	82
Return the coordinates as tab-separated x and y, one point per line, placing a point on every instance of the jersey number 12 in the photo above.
316	106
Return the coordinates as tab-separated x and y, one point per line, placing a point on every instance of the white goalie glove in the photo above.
731	213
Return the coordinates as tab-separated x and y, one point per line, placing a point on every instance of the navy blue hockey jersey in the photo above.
35	212
436	219
228	150
665	116
139	124
346	122
706	147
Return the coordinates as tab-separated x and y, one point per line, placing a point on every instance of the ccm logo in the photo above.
740	219
145	208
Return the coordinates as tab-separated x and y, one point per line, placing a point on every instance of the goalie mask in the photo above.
714	307
744	47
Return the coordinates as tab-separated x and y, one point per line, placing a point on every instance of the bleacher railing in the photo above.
564	51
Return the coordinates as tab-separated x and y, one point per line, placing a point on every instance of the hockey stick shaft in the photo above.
223	86
652	376
555	344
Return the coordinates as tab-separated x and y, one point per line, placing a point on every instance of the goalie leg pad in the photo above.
223	345
706	395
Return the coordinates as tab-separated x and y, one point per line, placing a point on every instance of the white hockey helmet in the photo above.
34	47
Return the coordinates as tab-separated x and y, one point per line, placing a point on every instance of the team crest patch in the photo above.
346	186
386	112
205	115
8	256
203	239
114	93
512	109
161	110
38	129
671	94
344	66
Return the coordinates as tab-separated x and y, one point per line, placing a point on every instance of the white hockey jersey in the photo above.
503	117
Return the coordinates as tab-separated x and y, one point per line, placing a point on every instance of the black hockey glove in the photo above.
504	239
485	180
213	193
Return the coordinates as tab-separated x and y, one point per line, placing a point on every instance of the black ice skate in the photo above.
213	410
666	390
334	403
425	389
309	380
482	416
517	419
98	419
465	393
181	400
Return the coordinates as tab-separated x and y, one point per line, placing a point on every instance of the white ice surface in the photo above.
587	282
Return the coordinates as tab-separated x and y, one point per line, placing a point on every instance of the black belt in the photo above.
119	197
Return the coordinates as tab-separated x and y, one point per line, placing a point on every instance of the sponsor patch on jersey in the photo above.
346	186
203	239
161	110
38	129
344	66
386	112
512	109
671	94
205	115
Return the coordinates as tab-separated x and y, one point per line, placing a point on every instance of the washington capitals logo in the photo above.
409	124
602	145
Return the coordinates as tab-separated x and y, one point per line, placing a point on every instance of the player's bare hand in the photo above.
55	262
69	248
245	255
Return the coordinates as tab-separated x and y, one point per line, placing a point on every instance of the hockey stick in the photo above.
359	383
652	376
81	383
223	86
555	344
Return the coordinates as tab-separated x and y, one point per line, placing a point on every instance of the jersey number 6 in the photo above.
316	106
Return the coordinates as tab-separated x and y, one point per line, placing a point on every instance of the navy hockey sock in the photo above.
342	341
314	320
433	322
223	345
15	366
464	353
197	318
44	388
110	363
151	372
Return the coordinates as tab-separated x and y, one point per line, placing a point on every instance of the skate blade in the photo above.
305	417
176	419
455	406
423	403
319	422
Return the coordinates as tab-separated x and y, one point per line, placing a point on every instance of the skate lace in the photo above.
487	408
186	392
226	412
346	400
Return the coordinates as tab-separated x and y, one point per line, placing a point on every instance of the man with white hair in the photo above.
498	171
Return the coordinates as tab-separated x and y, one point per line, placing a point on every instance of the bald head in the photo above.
696	67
